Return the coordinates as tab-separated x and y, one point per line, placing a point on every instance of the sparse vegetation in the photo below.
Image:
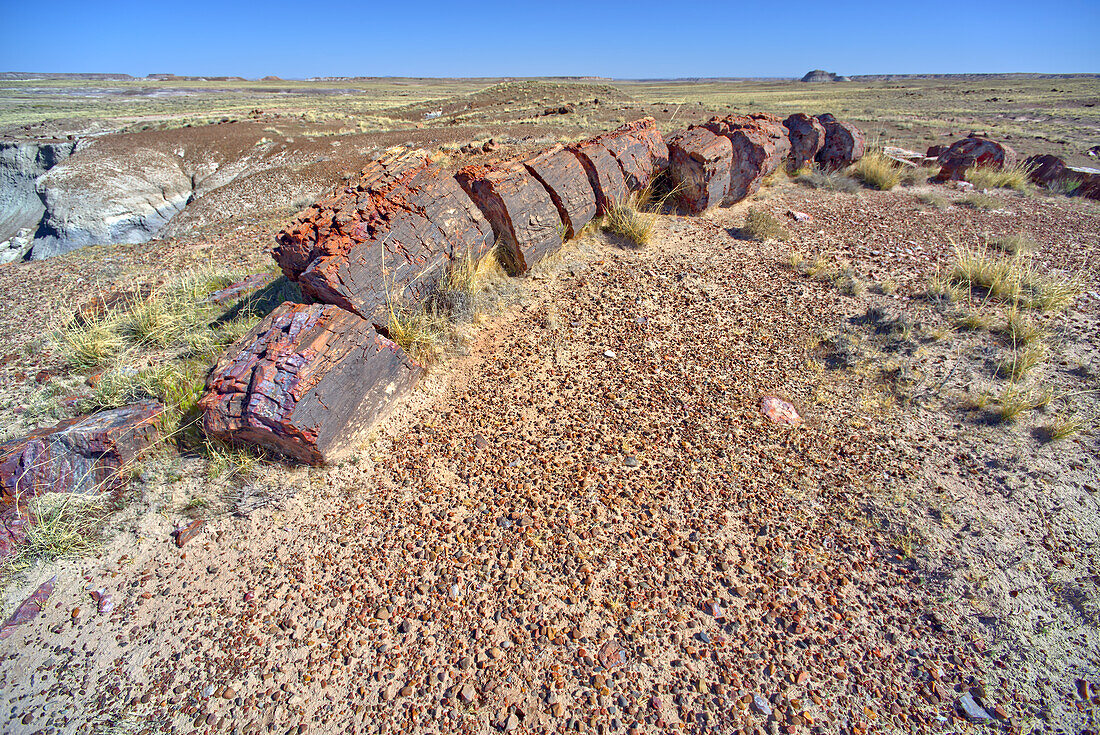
1063	426
877	171
829	181
761	226
628	222
1014	280
979	201
1013	244
987	177
1022	361
934	200
65	525
1015	401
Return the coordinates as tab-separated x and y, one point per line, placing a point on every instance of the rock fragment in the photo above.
604	173
389	237
304	381
640	150
699	166
519	208
30	608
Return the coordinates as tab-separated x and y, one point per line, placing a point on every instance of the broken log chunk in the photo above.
604	174
519	208
388	238
563	176
844	143
304	381
640	150
759	142
807	136
971	152
85	455
699	166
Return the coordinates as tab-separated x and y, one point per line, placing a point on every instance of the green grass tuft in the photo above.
877	171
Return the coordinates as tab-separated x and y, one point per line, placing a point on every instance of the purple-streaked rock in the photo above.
759	145
84	455
604	174
971	152
844	143
699	165
563	176
807	136
304	382
520	210
388	238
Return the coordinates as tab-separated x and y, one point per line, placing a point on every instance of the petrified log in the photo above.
387	238
640	150
844	143
1046	170
759	145
699	164
83	455
604	174
304	381
519	208
807	136
563	176
973	151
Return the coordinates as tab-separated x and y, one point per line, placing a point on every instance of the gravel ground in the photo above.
584	523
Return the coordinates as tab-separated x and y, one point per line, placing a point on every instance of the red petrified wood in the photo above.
844	143
519	208
562	174
973	151
81	455
807	136
699	165
759	143
640	150
388	237
304	381
604	174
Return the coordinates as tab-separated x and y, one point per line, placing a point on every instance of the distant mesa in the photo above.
271	78
820	75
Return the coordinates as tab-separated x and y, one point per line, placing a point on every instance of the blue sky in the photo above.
619	39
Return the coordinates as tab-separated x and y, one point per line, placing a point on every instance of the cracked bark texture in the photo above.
304	382
759	142
699	165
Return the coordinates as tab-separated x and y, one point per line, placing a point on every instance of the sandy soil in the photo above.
581	521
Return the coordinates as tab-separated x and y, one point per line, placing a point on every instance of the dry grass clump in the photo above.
159	346
1015	280
419	331
1015	401
1013	244
65	525
1062	426
762	226
980	201
1016	177
1020	330
972	321
877	171
828	180
627	221
934	200
1023	361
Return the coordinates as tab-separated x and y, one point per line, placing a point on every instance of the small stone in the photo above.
761	706
610	354
971	709
383	614
465	662
467	694
631	462
495	653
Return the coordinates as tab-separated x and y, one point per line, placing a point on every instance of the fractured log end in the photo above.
304	382
699	165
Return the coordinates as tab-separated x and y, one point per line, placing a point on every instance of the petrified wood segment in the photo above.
759	145
844	143
304	381
563	176
699	165
640	150
807	136
604	173
83	455
388	237
519	208
973	151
